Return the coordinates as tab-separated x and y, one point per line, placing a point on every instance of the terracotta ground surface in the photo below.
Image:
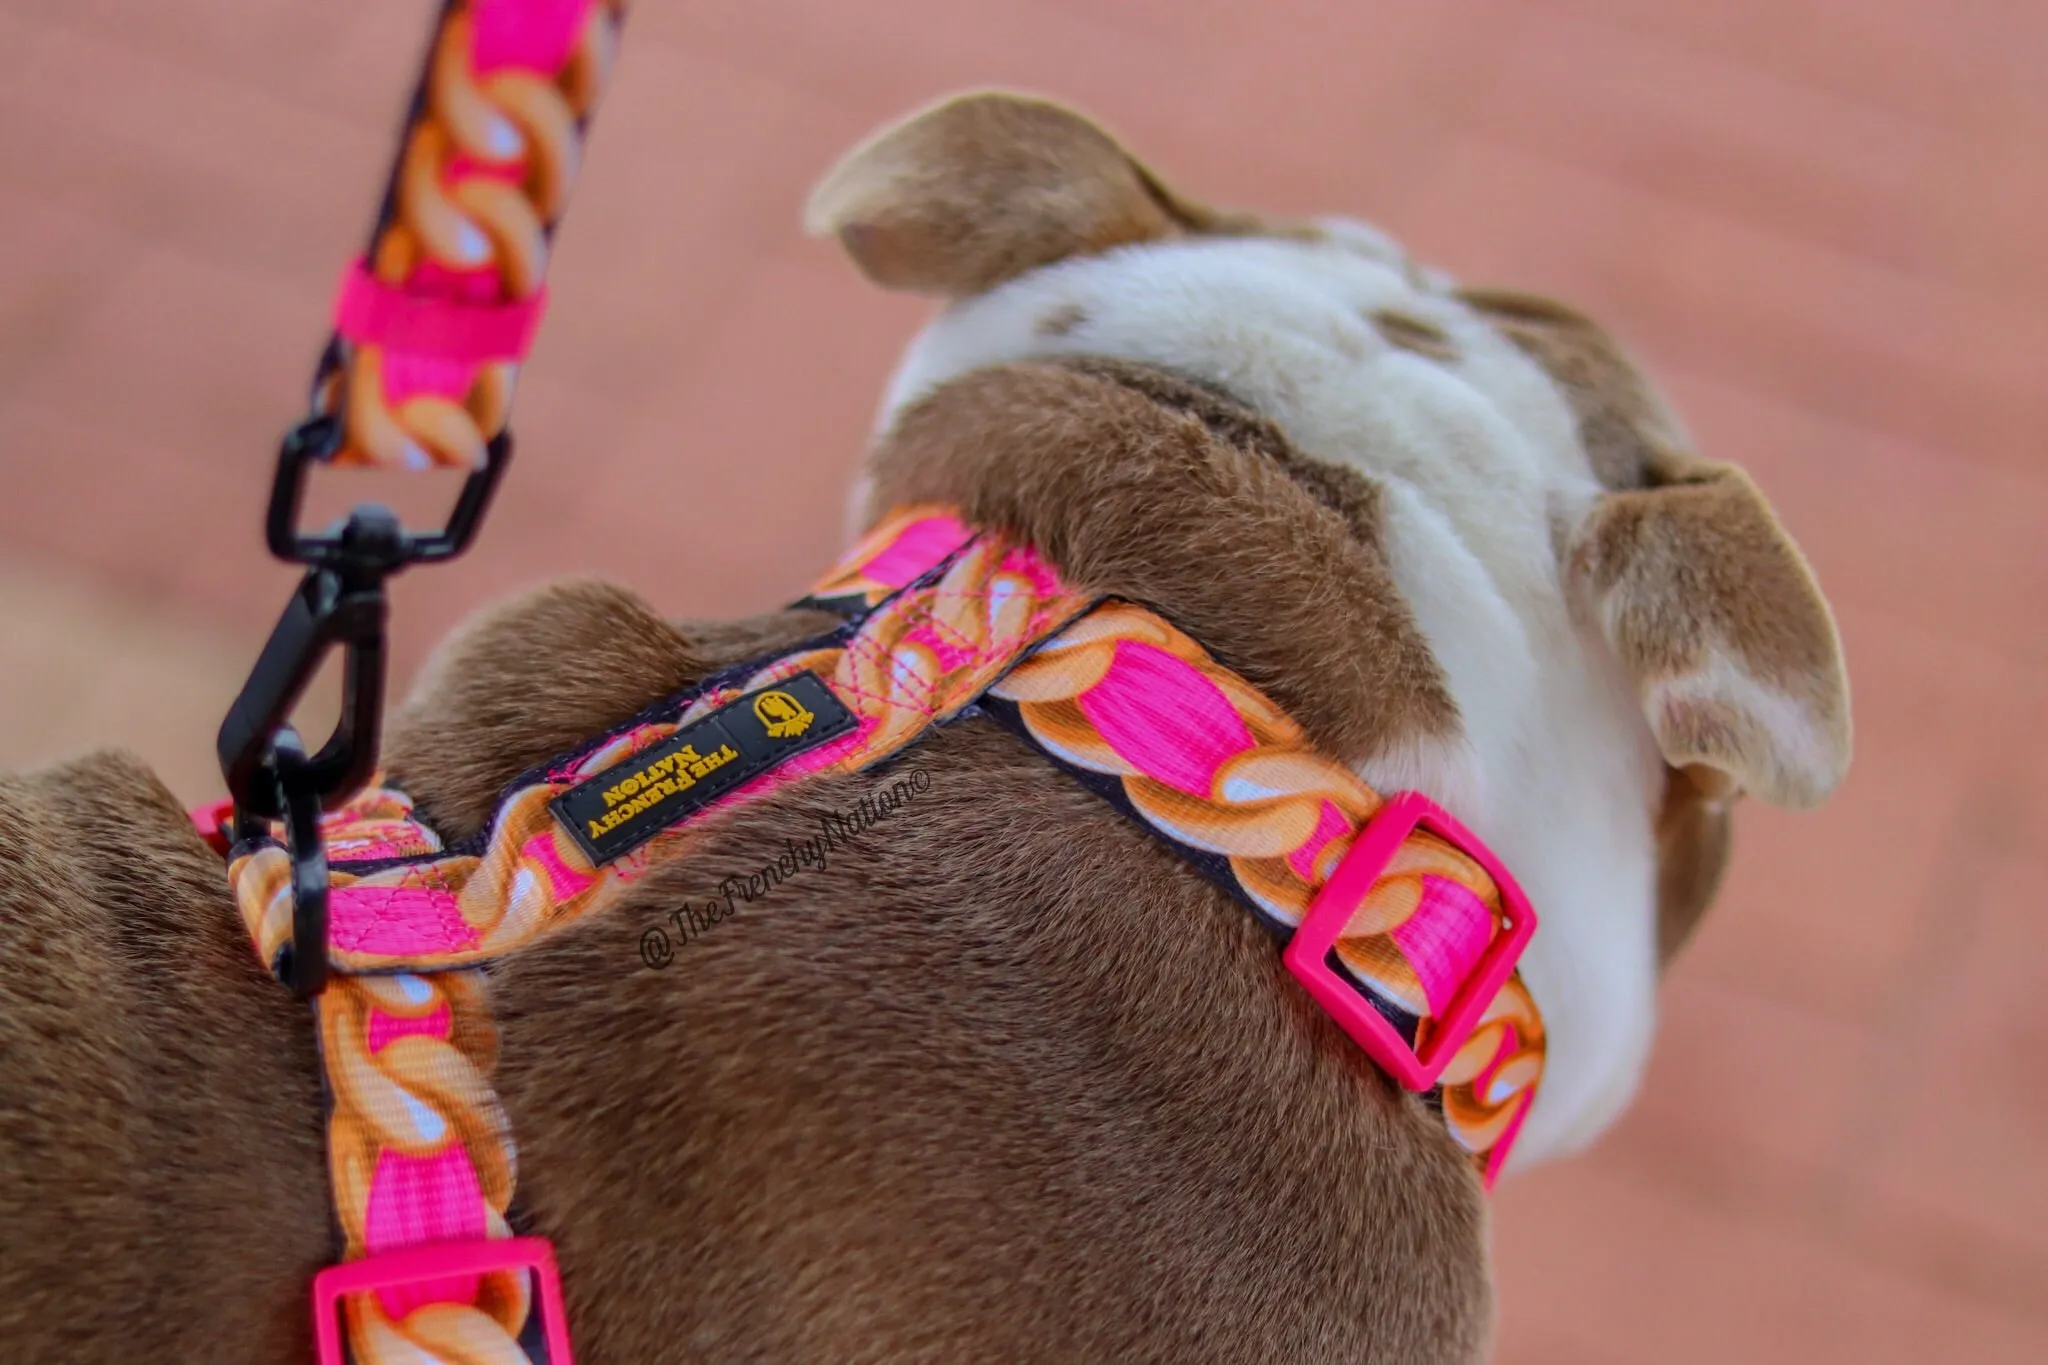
1820	219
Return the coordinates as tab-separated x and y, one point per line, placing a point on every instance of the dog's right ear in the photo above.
1711	607
983	187
1701	593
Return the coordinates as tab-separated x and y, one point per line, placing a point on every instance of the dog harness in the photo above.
1393	917
1398	921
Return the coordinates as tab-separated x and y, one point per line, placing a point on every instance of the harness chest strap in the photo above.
1397	920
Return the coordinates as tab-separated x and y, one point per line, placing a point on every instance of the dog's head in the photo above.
1630	638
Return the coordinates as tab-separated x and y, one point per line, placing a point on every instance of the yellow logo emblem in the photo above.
784	715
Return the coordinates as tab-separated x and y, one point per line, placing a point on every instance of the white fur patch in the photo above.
1555	768
1804	765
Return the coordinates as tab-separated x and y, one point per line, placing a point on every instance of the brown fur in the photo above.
1695	836
983	187
997	1088
163	1190
1129	498
1623	424
1061	320
1411	333
1344	491
984	1043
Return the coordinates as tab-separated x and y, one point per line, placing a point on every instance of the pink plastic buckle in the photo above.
1308	952
440	1261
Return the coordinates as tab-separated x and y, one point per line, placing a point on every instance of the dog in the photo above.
1004	1080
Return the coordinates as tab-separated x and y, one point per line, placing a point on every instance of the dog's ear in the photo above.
1713	611
1703	597
985	186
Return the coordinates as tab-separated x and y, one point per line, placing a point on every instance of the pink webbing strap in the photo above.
426	317
446	301
418	324
532	34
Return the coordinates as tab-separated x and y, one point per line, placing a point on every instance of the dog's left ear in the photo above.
1713	610
983	187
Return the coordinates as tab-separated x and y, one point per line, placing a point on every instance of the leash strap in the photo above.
430	328
431	325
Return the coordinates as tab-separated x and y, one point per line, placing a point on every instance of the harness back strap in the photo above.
940	621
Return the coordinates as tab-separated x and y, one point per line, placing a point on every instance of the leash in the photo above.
430	327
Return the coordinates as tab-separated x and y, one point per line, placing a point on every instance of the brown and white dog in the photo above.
961	1097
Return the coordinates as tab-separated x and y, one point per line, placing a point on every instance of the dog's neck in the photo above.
1355	600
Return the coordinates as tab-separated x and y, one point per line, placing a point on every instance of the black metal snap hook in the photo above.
302	965
339	605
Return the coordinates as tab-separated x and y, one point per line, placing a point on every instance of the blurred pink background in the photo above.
1822	221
